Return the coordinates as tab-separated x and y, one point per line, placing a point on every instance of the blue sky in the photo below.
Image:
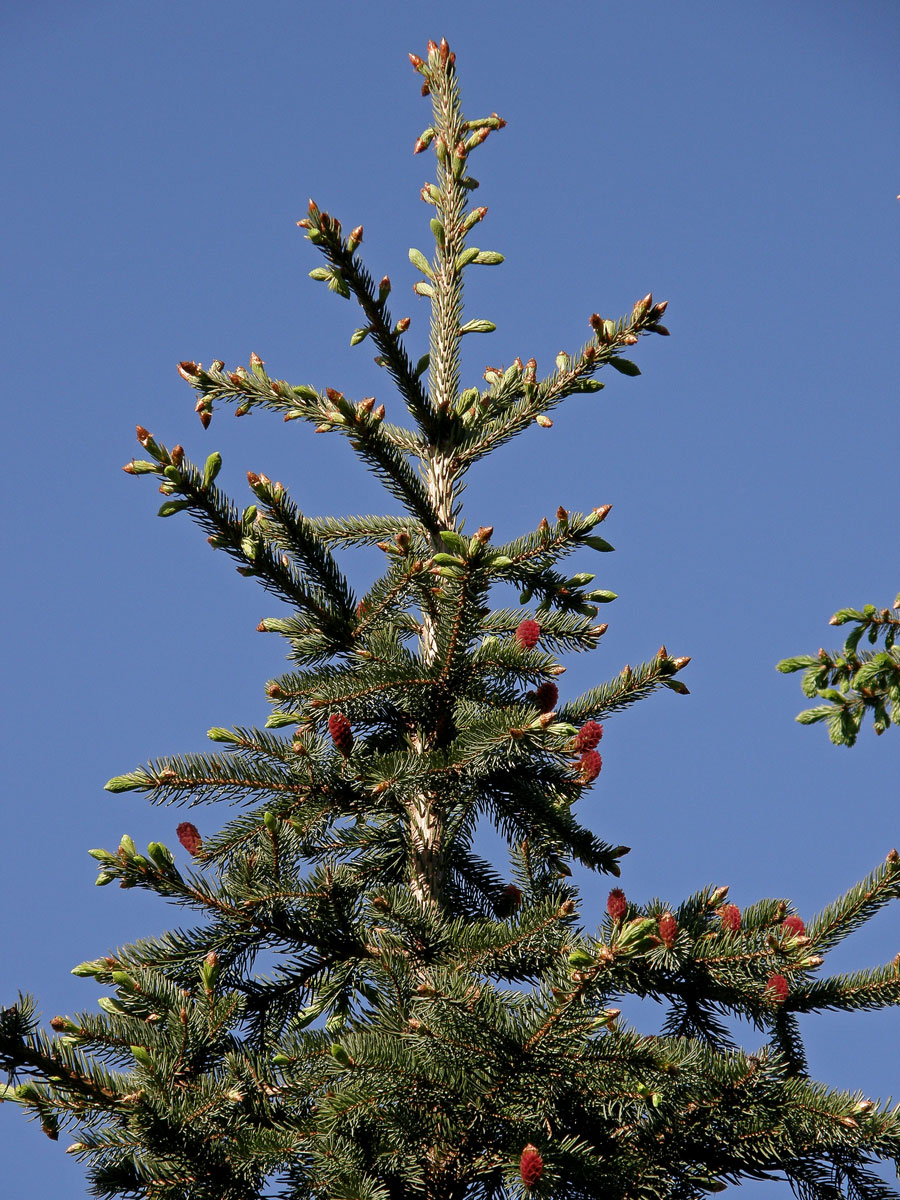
739	160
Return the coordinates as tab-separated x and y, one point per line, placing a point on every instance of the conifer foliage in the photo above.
851	682
366	1007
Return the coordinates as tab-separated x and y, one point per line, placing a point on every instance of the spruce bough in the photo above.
852	682
433	1026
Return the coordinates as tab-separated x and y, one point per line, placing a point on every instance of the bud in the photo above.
678	687
892	857
643	306
416	62
580	958
142	1057
340	1055
402	325
188	371
616	904
384	289
637	936
178	455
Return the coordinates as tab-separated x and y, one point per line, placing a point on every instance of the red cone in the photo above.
341	733
528	633
531	1166
588	736
189	837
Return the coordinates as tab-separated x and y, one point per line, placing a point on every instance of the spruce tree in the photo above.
366	1007
850	682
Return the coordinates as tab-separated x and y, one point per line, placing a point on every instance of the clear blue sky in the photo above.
738	159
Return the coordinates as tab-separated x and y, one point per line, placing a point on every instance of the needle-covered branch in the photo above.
854	682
